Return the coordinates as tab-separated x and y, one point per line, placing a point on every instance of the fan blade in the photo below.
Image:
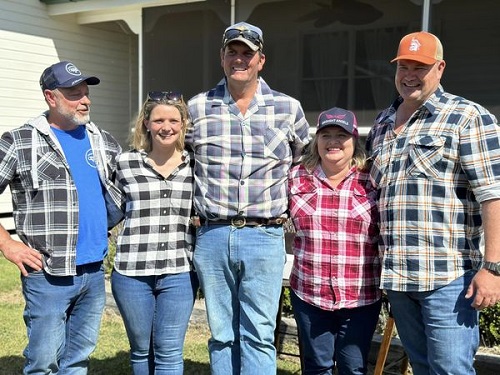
326	19
349	12
360	18
311	15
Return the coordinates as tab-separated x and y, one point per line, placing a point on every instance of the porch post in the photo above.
426	15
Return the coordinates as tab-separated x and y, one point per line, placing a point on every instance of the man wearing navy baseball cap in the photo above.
64	74
58	167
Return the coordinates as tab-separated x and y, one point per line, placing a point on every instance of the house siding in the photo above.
30	41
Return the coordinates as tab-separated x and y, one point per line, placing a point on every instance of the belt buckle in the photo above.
238	222
280	221
195	221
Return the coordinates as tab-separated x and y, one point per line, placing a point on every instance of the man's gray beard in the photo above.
79	120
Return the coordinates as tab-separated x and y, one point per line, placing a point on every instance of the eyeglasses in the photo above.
249	35
158	96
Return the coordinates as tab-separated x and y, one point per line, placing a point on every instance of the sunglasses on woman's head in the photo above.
158	96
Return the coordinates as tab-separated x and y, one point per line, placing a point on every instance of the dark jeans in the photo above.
339	338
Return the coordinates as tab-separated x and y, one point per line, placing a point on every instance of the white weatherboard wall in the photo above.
30	41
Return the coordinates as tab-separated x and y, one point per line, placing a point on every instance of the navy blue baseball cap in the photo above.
64	74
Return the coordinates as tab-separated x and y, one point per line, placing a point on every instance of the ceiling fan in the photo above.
349	12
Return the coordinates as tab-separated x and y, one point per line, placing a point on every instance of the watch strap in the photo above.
492	266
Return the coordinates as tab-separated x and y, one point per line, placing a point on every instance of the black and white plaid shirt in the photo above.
156	237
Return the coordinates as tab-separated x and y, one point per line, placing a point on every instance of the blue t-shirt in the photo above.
92	243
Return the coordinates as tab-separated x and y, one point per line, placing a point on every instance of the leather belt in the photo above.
239	221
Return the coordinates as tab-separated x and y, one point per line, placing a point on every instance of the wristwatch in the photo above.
493	267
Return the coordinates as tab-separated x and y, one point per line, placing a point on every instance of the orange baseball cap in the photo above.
422	46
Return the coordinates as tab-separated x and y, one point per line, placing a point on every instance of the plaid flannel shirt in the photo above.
156	237
432	177
242	161
44	195
336	263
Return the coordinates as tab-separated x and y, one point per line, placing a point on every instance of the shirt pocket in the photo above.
276	145
49	166
424	156
363	215
303	197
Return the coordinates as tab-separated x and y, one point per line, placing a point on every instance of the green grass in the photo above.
111	356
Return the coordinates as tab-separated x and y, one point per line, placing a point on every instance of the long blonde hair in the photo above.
141	137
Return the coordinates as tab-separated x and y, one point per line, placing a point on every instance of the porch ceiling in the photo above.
112	3
59	1
95	11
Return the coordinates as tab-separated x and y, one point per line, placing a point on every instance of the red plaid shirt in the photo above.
336	262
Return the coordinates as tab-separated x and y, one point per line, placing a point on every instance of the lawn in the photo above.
111	355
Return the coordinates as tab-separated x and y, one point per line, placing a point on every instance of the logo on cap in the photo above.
414	45
72	69
332	117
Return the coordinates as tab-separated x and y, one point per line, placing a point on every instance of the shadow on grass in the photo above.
11	365
199	368
117	365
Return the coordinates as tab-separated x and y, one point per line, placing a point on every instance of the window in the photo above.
349	68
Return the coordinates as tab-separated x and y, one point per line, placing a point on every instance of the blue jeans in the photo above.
156	312
241	272
439	329
340	338
62	317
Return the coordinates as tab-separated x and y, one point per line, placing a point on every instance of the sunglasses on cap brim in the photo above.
249	35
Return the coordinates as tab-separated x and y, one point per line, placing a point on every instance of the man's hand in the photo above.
22	255
485	288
